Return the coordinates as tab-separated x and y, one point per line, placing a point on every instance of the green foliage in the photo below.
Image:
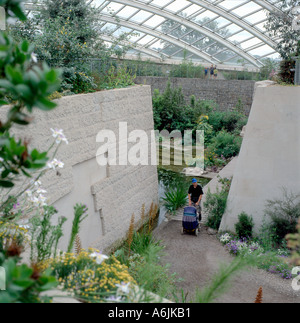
187	70
144	264
67	34
285	74
169	110
293	242
226	144
215	205
44	235
175	198
24	86
13	9
77	82
231	121
220	281
24	284
244	226
79	215
280	24
90	276
117	78
282	214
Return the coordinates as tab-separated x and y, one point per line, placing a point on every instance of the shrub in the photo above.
144	264
44	235
231	121
25	284
175	198
283	215
293	242
90	275
170	111
215	205
117	78
285	74
244	226
187	70
226	144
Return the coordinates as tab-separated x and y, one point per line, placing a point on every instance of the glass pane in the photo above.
177	5
154	21
127	12
141	16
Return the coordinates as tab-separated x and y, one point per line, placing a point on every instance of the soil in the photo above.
196	259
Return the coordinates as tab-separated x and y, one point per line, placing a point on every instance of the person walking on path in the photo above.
195	196
205	72
215	72
211	71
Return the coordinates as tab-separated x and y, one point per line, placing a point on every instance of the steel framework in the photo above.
228	32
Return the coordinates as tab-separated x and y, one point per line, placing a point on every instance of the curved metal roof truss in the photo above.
208	31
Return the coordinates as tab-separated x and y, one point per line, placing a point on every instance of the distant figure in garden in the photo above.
215	72
211	71
206	72
195	196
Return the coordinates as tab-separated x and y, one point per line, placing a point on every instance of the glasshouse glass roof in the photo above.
229	32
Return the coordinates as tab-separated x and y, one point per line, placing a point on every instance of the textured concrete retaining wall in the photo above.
270	154
225	92
111	193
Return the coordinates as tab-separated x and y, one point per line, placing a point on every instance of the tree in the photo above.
67	34
281	24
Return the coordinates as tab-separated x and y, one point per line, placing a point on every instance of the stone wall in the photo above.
226	93
270	154
111	193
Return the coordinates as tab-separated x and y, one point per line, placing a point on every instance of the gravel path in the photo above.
196	259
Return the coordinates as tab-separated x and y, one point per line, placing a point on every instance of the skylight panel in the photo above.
177	5
251	42
141	16
190	10
113	7
256	17
127	12
228	4
160	3
263	50
145	40
154	21
98	3
246	9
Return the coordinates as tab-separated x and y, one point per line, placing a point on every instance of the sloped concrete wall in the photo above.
111	193
270	154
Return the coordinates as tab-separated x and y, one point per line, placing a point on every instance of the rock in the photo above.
193	171
211	231
242	134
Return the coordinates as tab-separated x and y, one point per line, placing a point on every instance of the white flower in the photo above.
41	191
24	226
34	57
59	135
37	183
225	238
39	200
28	193
55	163
99	257
123	288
